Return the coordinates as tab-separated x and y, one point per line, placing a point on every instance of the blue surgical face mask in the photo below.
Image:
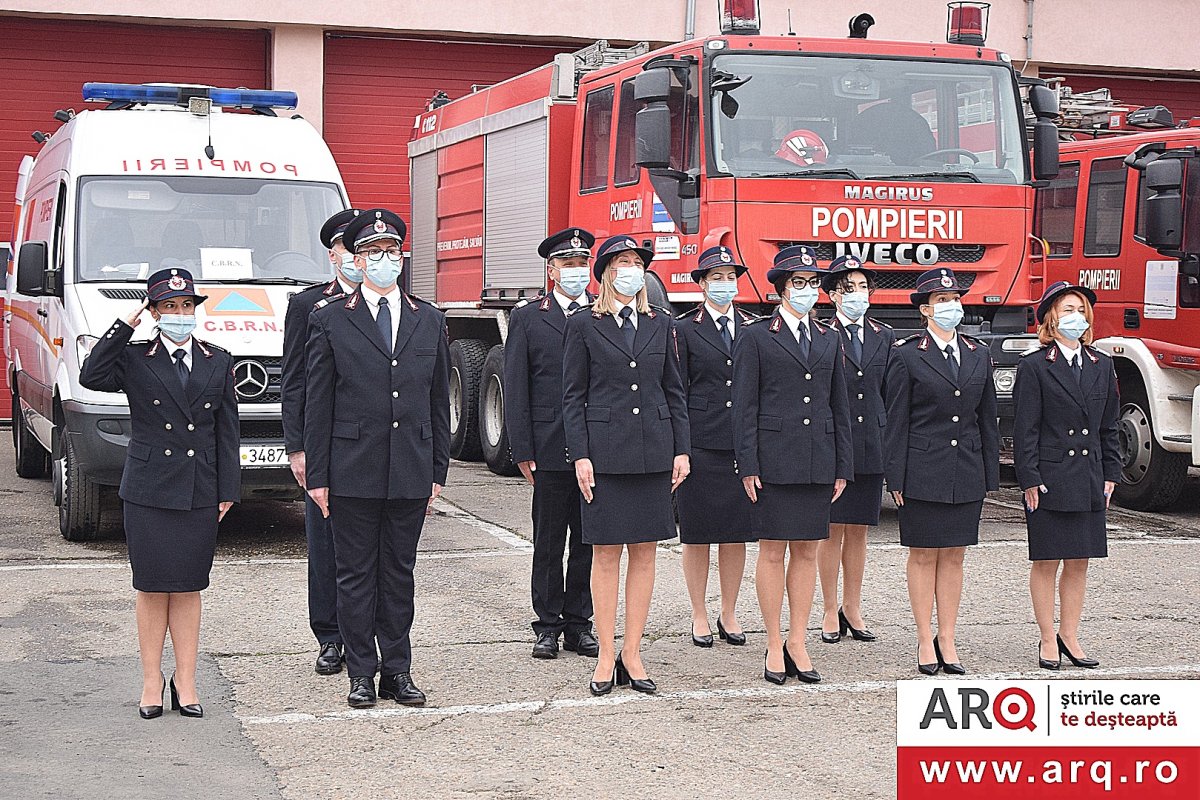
385	271
1073	325
629	280
802	300
855	304
177	327
721	293
947	315
349	269
573	281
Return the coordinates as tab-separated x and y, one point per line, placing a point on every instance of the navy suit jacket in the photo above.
708	376
183	453
943	437
864	386
378	419
790	414
623	408
1065	433
292	378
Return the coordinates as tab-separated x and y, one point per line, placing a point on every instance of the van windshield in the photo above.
868	118
220	229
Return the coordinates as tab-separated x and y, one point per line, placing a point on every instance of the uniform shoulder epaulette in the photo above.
906	339
973	340
662	310
752	320
317	306
688	313
138	342
880	323
746	316
212	346
583	307
522	303
1032	350
821	326
420	300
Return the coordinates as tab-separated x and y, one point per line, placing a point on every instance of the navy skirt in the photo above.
713	506
925	523
629	509
859	504
792	511
170	550
1055	535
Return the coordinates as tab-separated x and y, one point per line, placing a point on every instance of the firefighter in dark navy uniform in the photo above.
322	577
795	451
866	344
377	446
182	472
942	447
533	390
1068	461
713	507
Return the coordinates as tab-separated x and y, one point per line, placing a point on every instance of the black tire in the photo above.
79	514
466	368
656	292
1151	477
32	460
493	433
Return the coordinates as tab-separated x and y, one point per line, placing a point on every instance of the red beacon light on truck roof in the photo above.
740	16
966	23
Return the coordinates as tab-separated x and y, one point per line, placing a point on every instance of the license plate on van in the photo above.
264	455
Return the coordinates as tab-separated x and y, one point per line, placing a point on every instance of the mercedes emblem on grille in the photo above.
250	380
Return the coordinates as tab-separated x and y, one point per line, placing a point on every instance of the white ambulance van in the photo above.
160	176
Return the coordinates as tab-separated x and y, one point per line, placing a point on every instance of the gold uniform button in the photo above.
166	452
954	442
637	411
167	426
729	404
632	364
954	418
633	387
191	427
191	453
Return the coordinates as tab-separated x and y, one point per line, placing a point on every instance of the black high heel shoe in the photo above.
643	685
949	667
928	669
598	688
151	712
777	678
190	710
862	635
805	675
1087	663
701	641
736	639
1046	663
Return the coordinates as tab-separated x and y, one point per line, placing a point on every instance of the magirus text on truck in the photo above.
906	154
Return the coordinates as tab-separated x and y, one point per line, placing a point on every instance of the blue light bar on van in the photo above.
131	93
179	95
252	98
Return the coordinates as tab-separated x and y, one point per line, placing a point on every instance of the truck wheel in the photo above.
1151	477
466	368
32	459
656	292
79	512
493	435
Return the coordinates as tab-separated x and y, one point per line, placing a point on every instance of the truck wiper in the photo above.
811	173
284	280
970	177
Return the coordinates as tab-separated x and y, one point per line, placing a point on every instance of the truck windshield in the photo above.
221	229
875	118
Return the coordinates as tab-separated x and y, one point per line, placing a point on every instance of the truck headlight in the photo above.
1005	378
84	345
1019	344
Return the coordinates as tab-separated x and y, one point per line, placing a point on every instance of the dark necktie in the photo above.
855	342
627	327
181	367
802	339
1077	368
951	362
572	306
384	320
726	336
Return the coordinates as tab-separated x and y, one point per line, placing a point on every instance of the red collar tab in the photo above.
203	349
411	303
545	306
153	347
699	315
970	345
776	324
352	303
1052	354
924	345
332	288
874	325
1095	359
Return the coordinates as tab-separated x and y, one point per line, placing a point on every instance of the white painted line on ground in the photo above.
623	698
508	537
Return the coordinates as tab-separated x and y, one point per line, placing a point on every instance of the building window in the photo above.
597	135
1105	208
1054	218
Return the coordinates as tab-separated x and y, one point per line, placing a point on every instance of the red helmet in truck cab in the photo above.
803	148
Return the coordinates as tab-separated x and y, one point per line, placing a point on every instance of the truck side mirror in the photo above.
1164	206
32	260
652	129
1045	148
652	86
1043	102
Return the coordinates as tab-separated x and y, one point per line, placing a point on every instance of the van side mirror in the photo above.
1045	148
1164	206
32	260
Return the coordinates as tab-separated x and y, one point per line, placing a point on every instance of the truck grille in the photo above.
907	281
261	429
947	253
124	294
249	375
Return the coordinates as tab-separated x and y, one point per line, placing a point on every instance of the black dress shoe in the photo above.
736	639
153	712
777	678
584	644
831	638
1048	663
949	667
702	641
863	635
330	660
362	693
546	646
1088	663
194	710
927	669
805	675
400	687
643	685
598	688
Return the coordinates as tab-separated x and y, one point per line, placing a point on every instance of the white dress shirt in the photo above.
843	321
171	347
393	298
941	346
1070	355
632	317
793	322
564	301
716	318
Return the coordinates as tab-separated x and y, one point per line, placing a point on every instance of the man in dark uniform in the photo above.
322	577
533	391
377	442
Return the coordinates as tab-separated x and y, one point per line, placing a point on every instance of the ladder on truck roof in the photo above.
571	67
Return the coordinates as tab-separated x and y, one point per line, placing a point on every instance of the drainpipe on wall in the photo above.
1028	34
689	20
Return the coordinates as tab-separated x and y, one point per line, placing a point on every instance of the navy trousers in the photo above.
561	605
322	576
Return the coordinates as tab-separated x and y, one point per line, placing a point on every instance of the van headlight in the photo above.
1005	379
84	345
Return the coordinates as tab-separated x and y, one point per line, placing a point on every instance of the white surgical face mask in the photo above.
629	280
855	304
573	280
802	300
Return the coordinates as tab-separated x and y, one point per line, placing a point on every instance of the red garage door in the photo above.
374	89
44	63
1181	96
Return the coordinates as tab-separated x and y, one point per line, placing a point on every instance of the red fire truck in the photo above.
1123	219
904	154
